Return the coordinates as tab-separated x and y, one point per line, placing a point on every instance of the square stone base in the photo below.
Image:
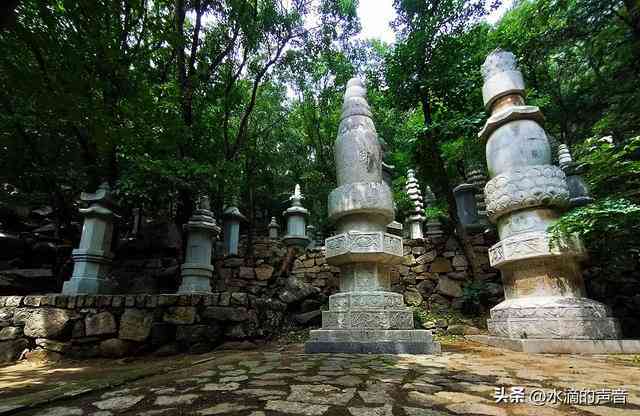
561	346
88	286
410	341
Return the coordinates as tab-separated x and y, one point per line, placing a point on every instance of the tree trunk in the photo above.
432	164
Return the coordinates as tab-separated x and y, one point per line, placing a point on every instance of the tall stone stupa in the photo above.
365	317
545	307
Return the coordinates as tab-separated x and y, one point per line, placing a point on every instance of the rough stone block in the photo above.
449	287
118	301
239	298
135	325
412	297
11	332
167	300
222	313
47	323
52	345
180	315
441	265
225	298
115	348
13	301
100	324
11	350
246	273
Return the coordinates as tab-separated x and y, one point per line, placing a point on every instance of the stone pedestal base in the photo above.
88	286
380	341
561	346
553	317
370	322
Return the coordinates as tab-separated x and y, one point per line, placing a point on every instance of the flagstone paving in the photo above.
460	381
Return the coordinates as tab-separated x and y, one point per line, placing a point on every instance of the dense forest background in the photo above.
240	99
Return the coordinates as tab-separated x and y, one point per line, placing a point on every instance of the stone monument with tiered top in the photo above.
202	232
365	317
92	259
545	307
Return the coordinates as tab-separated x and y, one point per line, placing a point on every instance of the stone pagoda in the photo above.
197	269
545	307
92	259
296	217
417	217
365	317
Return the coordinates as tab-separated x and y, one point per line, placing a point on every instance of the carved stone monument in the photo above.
273	227
231	221
578	190
433	226
478	179
197	268
92	259
296	217
365	317
545	307
416	219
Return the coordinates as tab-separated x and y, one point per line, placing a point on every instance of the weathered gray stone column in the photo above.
365	317
231	218
296	217
544	290
197	268
92	259
416	219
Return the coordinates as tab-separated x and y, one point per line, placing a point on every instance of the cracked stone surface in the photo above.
461	381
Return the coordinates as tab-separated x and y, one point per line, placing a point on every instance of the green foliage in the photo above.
610	227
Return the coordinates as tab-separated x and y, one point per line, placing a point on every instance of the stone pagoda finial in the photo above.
544	289
296	217
417	213
365	317
93	258
202	230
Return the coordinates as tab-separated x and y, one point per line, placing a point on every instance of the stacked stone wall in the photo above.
434	272
89	326
254	298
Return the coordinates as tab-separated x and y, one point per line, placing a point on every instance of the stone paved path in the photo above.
461	381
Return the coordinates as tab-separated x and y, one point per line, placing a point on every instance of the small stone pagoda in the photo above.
365	317
416	219
92	259
197	269
545	307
